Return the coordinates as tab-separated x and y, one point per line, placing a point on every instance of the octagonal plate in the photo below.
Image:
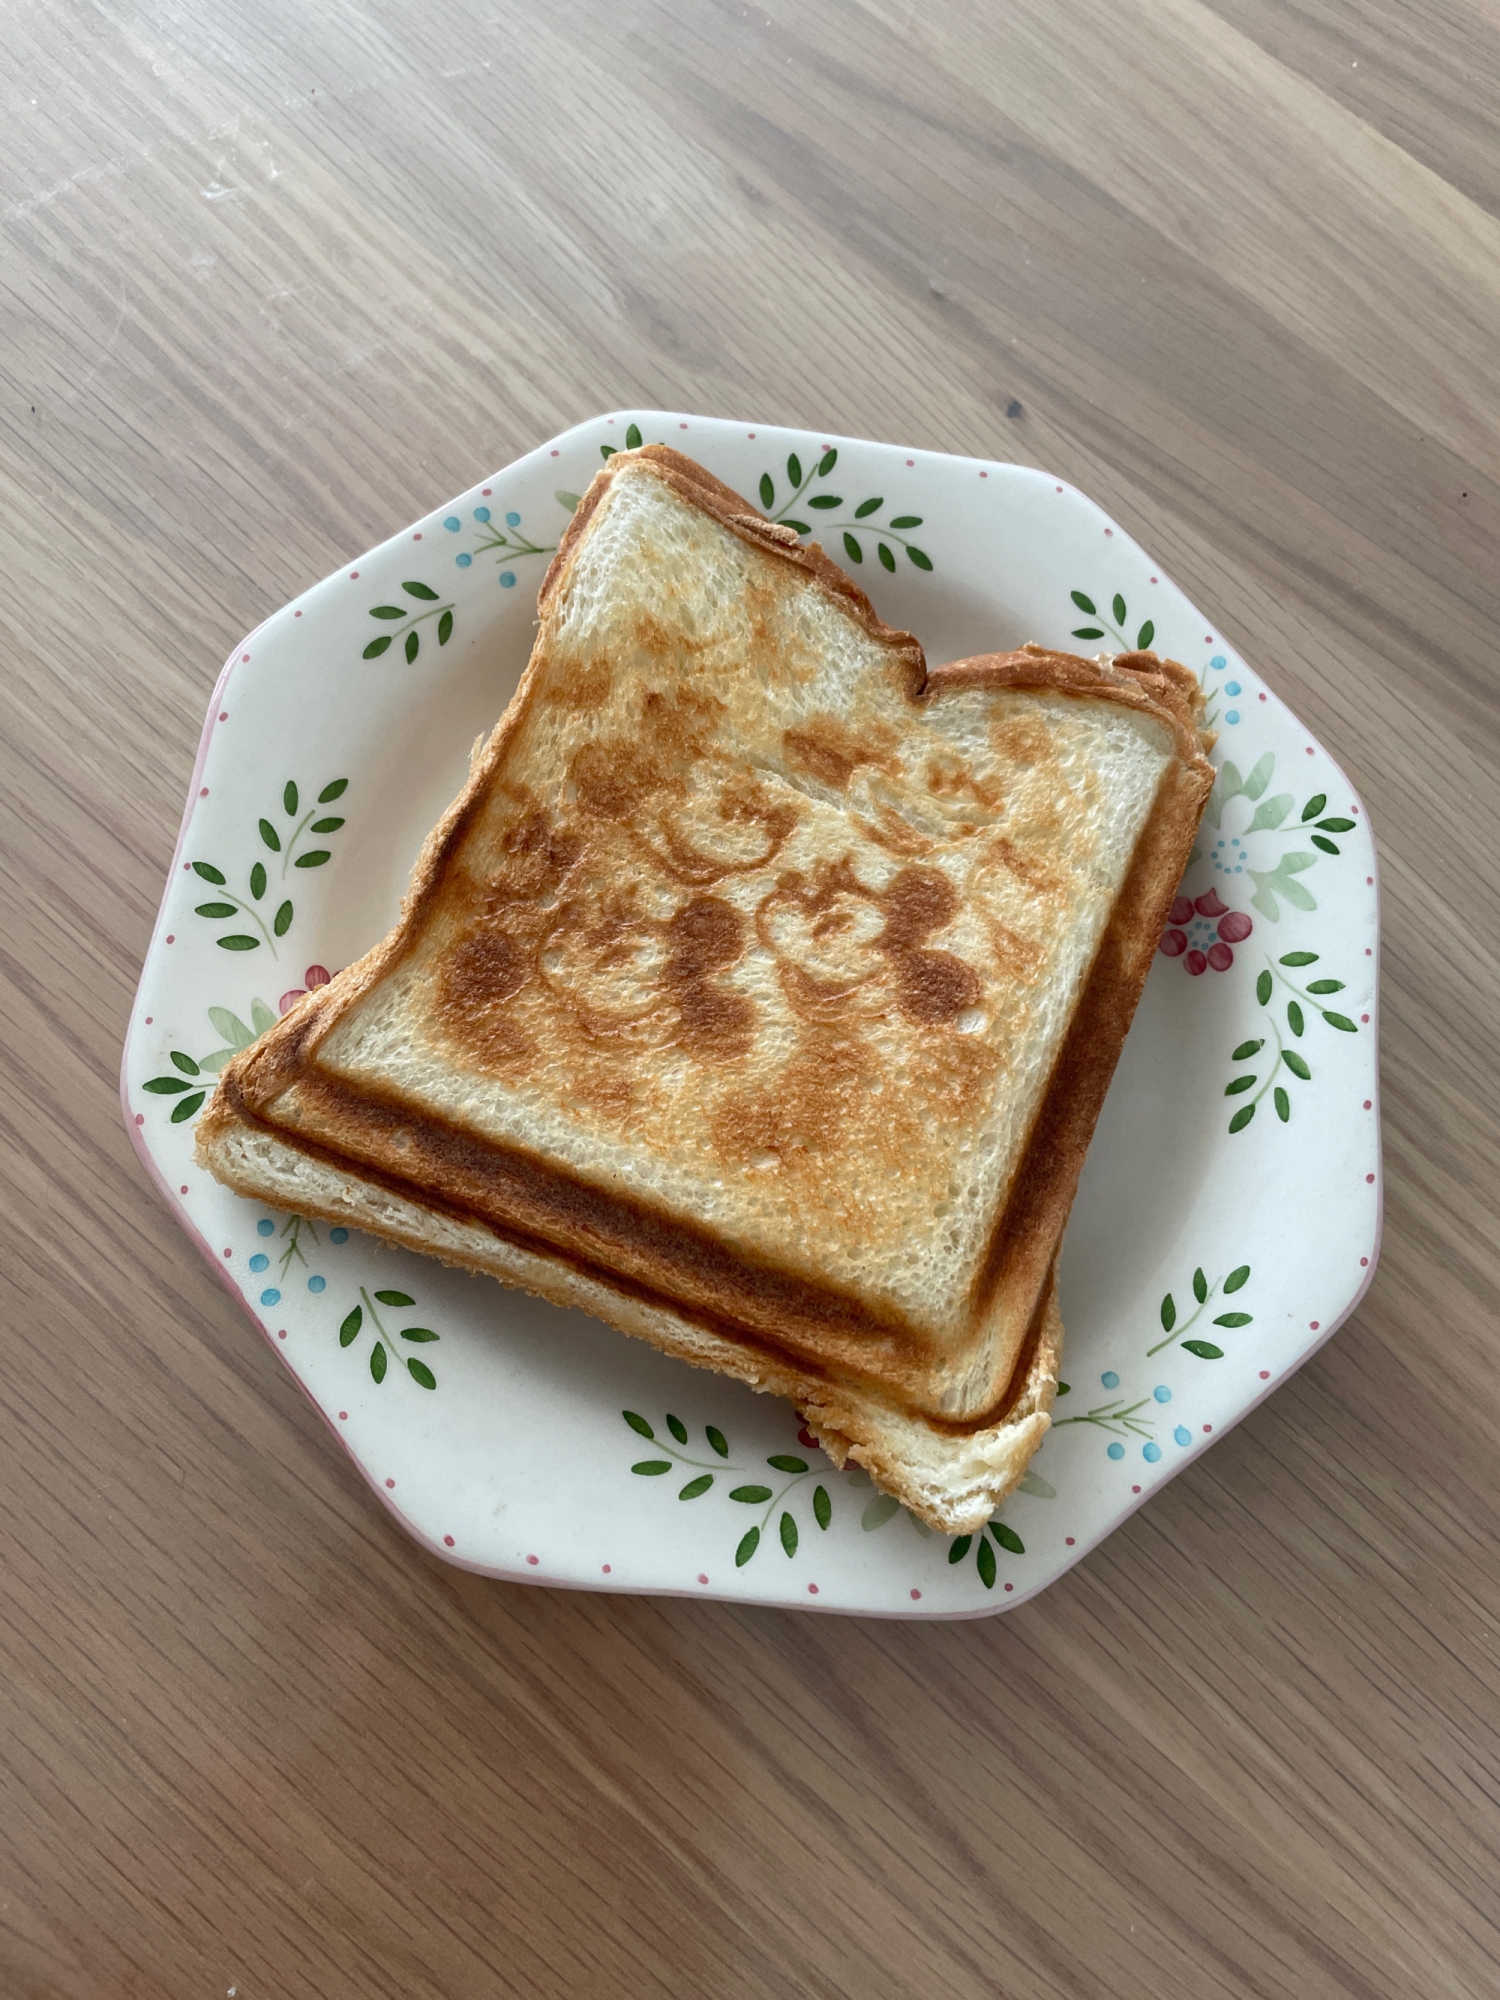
1230	1208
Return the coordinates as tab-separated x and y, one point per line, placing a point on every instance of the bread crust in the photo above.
741	1315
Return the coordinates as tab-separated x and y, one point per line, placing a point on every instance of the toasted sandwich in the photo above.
760	991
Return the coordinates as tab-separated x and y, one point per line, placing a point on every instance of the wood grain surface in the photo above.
275	278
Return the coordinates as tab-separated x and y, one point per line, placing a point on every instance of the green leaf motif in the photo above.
1204	1349
261	1017
879	1511
1271	812
921	560
212	1064
984	1562
1242	1118
1281	881
386	611
784	1462
887	560
445	628
231	1027
652	1468
1241	1083
420	1373
1118	608
852	548
749	1543
567	501
314	859
794	470
866	508
1084	603
1298	958
334	791
633	437
1089	632
827	462
351	1326
960	1548
1263	989
1007	1538
1340	1021
697	1486
413	645
788	1532
638	1425
751	1495
1260	777
825	501
798	527
418	1335
1326	986
1337	825
607	451
376	647
1200	1285
1144	637
209	873
281	923
767	490
258	880
1296	1064
1237	1279
677	1427
188	1106
1168	1313
289	799
327	825
1314	806
422	590
239	941
395	1298
1294	1019
718	1440
1327	846
377	1362
184	1063
1233	1319
270	836
907	521
166	1086
215	909
1283	1104
1247	1049
822	1506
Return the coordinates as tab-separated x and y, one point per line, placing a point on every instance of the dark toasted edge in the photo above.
633	1308
773	538
1028	1233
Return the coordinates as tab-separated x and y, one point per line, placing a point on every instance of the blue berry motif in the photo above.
1162	1394
1151	1453
317	1284
1117	1451
270	1296
1182	1434
338	1236
259	1261
265	1227
1110	1379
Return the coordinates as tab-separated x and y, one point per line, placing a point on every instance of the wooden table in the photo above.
274	279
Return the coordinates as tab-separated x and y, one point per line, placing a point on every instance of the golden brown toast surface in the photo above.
758	972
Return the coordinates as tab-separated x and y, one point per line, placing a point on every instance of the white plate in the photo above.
1202	1265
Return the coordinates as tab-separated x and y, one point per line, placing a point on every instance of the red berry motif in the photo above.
1220	957
1181	911
1210	905
1174	943
1196	963
1235	927
289	1000
317	975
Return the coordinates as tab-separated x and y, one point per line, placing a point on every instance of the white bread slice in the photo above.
760	986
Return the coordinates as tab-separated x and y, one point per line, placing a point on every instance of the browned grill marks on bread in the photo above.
665	901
